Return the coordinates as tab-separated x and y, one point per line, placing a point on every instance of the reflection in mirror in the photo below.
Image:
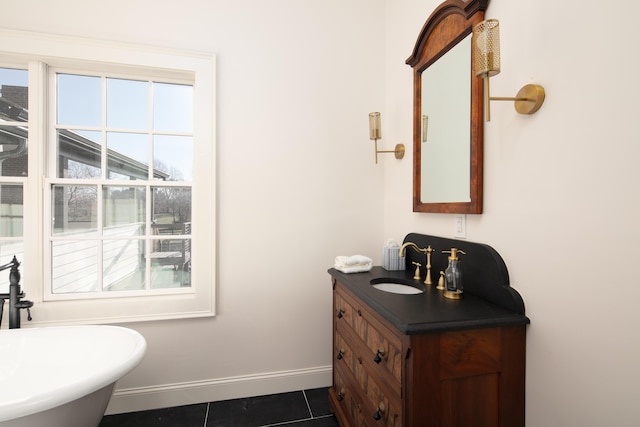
447	111
446	101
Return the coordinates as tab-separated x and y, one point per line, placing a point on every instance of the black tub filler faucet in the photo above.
15	296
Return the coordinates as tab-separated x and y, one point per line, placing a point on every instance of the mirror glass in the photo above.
447	111
446	127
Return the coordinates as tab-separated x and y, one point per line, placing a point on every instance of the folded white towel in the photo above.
348	261
355	268
353	264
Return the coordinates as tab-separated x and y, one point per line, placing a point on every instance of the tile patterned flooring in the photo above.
306	408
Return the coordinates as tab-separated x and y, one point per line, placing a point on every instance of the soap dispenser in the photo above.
453	275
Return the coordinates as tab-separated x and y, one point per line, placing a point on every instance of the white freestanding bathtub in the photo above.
63	376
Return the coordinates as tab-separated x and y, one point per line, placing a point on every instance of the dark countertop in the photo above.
429	311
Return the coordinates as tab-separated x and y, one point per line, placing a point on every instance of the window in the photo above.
120	186
97	150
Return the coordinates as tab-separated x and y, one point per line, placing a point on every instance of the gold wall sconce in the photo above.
486	34
375	133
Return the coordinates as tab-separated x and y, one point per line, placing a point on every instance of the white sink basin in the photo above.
397	288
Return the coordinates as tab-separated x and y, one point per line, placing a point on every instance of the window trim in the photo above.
39	51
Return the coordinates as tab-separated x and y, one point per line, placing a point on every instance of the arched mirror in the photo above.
447	112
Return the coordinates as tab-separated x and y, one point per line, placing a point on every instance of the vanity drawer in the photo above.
343	353
384	347
380	410
357	394
341	397
347	402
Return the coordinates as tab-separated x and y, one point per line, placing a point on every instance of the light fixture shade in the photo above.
375	131
487	48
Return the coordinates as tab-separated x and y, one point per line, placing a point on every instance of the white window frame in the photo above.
38	52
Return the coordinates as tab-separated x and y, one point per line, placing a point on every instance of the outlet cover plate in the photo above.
460	226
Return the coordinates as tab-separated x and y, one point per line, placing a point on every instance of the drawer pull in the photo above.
378	414
341	395
379	356
340	313
340	355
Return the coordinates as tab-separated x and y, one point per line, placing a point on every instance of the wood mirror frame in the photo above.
449	23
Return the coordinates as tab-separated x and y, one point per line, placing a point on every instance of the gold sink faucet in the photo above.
427	251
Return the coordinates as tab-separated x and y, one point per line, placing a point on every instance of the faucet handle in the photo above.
25	304
416	275
441	281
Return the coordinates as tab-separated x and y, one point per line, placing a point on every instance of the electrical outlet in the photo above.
460	226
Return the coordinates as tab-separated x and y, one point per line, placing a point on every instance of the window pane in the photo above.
128	155
127	104
172	107
74	209
124	211
14	94
123	265
78	154
14	105
11	210
174	155
74	266
79	100
171	257
171	210
171	263
13	150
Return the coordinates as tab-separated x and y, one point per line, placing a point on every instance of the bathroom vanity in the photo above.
424	360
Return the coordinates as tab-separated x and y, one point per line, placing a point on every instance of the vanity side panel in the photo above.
482	377
472	352
421	376
470	401
513	376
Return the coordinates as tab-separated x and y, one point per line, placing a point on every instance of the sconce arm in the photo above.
399	151
528	100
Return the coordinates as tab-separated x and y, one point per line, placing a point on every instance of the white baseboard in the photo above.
168	395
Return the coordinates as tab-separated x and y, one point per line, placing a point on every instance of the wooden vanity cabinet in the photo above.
461	378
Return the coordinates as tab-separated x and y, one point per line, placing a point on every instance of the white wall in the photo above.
297	180
297	186
561	198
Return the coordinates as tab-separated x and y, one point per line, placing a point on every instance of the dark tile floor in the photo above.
306	408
